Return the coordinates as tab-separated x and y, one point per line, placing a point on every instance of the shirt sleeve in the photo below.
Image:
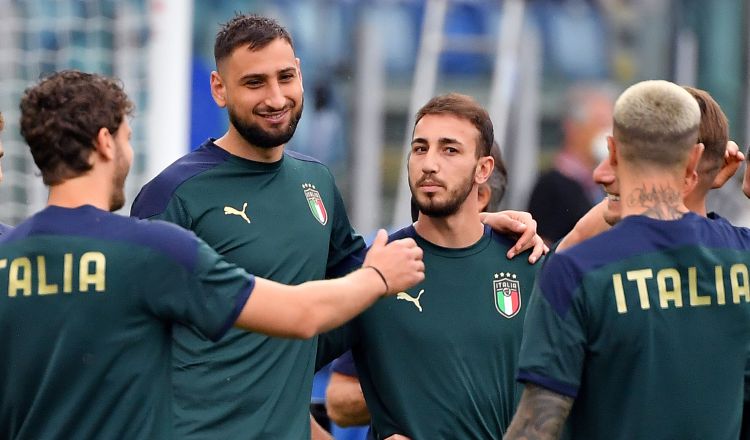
334	343
347	249
345	365
553	348
207	294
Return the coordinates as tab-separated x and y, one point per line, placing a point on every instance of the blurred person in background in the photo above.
563	194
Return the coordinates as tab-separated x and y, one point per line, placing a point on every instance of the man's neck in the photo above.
460	230
235	144
78	192
697	203
659	198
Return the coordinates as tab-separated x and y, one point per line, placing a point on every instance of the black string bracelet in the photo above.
382	277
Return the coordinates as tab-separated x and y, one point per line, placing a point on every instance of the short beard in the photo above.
448	208
256	136
117	199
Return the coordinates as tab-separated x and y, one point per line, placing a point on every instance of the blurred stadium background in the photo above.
367	66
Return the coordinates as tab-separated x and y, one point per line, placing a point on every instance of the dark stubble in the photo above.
257	136
456	198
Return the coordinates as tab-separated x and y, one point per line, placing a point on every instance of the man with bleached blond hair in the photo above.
642	331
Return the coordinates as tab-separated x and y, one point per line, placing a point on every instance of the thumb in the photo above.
381	238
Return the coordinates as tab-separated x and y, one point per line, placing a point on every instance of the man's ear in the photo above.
484	168
691	168
104	144
299	73
218	90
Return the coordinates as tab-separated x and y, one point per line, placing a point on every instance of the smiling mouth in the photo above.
274	117
613	197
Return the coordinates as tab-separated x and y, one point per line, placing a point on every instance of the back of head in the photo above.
61	117
498	180
713	134
463	107
253	31
656	124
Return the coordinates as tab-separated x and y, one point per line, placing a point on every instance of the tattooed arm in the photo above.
540	415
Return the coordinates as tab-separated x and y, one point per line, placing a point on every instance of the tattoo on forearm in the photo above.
661	203
540	415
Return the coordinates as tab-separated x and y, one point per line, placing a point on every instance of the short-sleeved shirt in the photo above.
87	303
4	229
439	360
647	326
284	221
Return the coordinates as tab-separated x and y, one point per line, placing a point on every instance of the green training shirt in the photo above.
439	360
87	303
647	326
284	221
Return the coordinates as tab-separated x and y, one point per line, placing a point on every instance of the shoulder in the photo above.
407	232
156	194
164	238
4	229
300	161
294	155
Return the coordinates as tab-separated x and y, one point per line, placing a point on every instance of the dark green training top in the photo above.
439	360
87	303
284	221
647	326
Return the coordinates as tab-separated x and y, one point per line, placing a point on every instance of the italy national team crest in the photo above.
507	294
317	207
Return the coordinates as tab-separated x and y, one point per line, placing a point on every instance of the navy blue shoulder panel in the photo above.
4	229
407	232
156	194
634	235
501	238
303	157
166	238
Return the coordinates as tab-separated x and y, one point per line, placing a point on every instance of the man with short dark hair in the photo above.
345	402
91	296
438	360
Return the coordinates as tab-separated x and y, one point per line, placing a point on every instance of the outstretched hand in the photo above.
399	262
521	224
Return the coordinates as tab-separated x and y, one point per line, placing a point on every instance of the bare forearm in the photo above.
352	294
317	432
540	415
308	309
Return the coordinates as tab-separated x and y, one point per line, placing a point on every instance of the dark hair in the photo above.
464	107
62	115
253	31
713	131
2	122
498	180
